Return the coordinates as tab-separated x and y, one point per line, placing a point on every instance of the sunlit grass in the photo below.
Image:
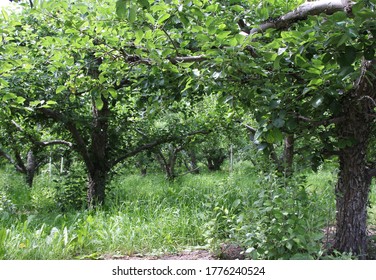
143	215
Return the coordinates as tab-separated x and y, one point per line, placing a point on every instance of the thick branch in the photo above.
70	126
302	12
18	163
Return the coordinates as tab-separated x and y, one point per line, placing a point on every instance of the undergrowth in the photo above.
270	217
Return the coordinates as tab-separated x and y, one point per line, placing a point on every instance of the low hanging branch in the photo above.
158	142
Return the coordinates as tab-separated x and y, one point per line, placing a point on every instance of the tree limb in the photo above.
302	12
81	146
322	122
6	156
54	142
156	143
185	59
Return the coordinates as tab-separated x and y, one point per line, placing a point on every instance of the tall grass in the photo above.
149	215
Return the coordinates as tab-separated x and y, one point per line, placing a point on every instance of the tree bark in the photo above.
96	188
352	191
31	167
353	186
99	166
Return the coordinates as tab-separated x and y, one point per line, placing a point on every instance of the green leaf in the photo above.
5	15
184	20
223	34
300	61
274	135
20	100
344	38
139	35
347	57
144	4
113	92
150	18
9	96
316	82
60	89
163	18
121	8
132	13
278	122
102	78
99	103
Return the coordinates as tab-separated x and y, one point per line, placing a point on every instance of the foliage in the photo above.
7	207
71	191
113	76
274	219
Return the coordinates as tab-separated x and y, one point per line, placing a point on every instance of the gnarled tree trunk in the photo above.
352	191
354	178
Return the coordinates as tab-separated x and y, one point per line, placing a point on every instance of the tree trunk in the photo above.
96	188
31	167
354	179
193	162
351	201
99	165
353	187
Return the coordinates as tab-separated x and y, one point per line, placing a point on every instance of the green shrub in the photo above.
275	218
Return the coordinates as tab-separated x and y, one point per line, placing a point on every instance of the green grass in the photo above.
142	215
149	215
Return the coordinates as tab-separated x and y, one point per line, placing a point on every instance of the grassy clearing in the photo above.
148	215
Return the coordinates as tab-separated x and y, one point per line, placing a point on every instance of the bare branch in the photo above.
172	41
17	125
370	99
250	128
